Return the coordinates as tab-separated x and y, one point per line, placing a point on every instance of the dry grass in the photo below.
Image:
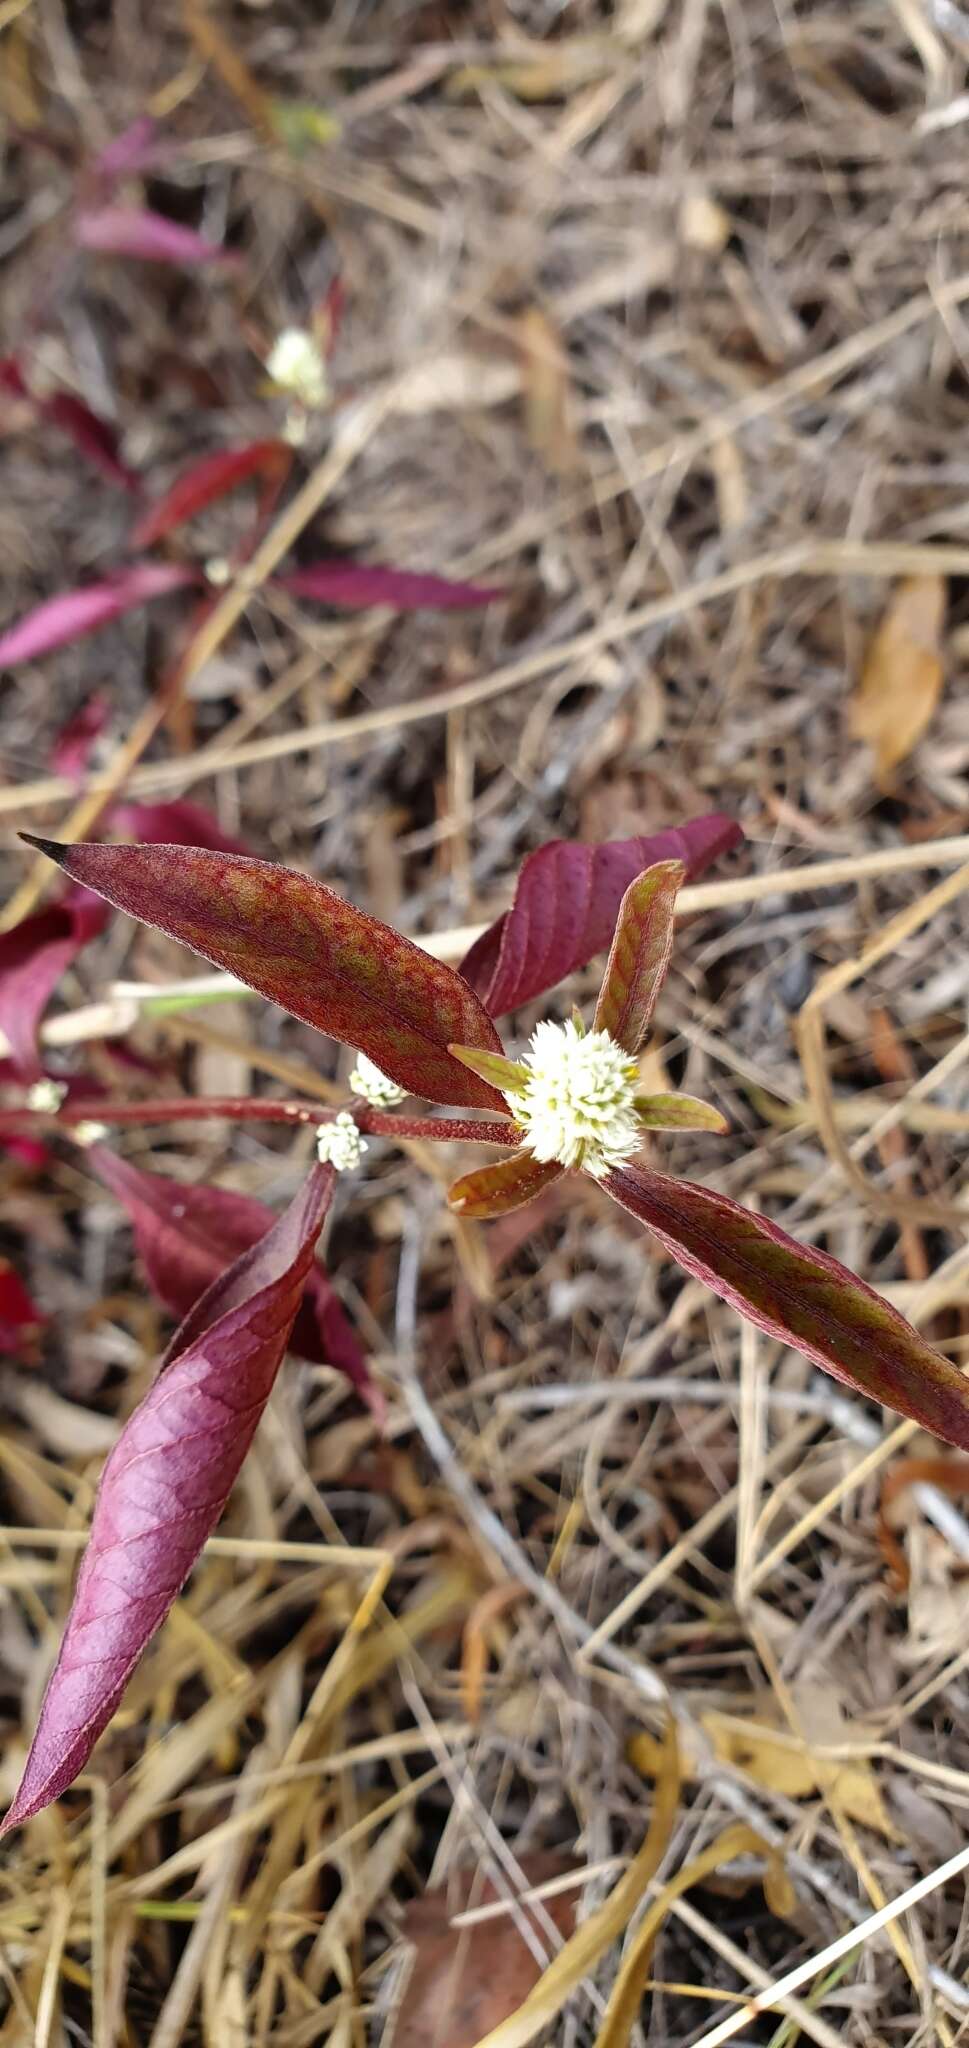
656	314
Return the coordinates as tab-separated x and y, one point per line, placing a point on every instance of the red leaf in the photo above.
566	903
20	1318
135	231
639	955
205	481
179	823
508	1184
305	948
61	620
188	1235
33	956
164	1487
73	746
801	1296
353	585
95	437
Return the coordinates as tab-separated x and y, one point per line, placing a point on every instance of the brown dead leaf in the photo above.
547	393
902	677
766	1753
466	1980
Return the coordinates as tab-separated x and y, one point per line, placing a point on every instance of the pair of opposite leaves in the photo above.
170	1474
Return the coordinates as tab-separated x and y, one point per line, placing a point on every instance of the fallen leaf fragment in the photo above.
902	677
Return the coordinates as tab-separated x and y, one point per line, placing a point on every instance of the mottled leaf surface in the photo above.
188	1235
566	903
305	948
508	1184
350	586
801	1296
61	620
164	1487
639	955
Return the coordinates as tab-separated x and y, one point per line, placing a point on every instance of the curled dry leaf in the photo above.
305	948
902	677
465	1980
801	1296
566	902
165	1485
354	585
188	1235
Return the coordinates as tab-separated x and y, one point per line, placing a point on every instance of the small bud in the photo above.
377	1088
295	364
89	1133
339	1143
218	570
46	1096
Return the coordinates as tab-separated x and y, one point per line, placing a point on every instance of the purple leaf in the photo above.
95	437
33	956
304	947
76	740
801	1296
133	150
164	1487
187	1235
209	479
353	585
61	620
135	231
20	1318
179	823
566	904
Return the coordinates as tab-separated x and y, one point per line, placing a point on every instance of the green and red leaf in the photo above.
566	903
679	1113
508	1184
640	954
801	1296
301	945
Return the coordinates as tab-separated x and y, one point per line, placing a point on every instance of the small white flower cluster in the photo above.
578	1103
89	1133
46	1096
339	1143
376	1088
295	364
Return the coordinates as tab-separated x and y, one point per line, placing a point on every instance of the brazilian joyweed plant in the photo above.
249	1288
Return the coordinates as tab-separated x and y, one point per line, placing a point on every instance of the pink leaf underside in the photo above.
566	904
77	739
207	480
136	231
353	585
164	1487
135	149
187	1235
33	956
639	955
19	1315
508	1184
801	1296
301	945
60	620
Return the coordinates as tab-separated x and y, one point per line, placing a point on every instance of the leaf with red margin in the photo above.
136	231
60	620
639	955
566	903
213	477
20	1318
801	1296
165	1485
354	585
33	956
508	1184
301	945
187	1235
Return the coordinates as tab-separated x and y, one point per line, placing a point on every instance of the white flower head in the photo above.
89	1133
46	1096
377	1088
295	364
578	1102
339	1143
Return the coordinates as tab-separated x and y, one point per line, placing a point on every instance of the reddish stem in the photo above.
255	1109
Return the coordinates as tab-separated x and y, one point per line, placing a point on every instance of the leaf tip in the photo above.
53	848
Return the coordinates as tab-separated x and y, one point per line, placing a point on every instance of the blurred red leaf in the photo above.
206	481
801	1296
353	585
566	903
33	956
73	746
165	1485
179	823
61	620
187	1235
95	437
305	948
133	150
136	231
20	1318
639	955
